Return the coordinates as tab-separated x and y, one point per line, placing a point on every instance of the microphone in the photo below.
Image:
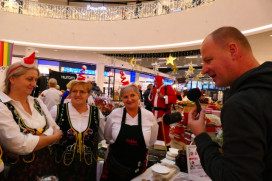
194	95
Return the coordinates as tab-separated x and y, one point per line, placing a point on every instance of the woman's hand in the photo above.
197	121
57	134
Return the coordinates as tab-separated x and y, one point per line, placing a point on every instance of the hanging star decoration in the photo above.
196	78
135	64
170	60
131	61
191	68
199	75
174	68
187	74
155	66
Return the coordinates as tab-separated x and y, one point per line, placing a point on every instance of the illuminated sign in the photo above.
110	73
77	70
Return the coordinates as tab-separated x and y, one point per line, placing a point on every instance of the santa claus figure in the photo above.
162	98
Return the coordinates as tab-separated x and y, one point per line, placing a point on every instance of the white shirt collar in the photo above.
5	98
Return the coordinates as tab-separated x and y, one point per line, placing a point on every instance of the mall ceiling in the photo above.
261	44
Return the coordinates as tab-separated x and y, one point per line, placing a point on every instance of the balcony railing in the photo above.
142	10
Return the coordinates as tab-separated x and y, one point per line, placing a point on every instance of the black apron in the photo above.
127	156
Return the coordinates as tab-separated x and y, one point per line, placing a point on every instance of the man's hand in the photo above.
161	95
197	122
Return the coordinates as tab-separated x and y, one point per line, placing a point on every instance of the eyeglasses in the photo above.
77	91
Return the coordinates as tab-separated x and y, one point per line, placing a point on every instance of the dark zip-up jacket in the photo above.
247	131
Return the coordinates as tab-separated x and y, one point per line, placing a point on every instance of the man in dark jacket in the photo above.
148	105
246	115
96	89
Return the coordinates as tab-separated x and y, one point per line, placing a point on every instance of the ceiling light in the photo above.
161	58
192	56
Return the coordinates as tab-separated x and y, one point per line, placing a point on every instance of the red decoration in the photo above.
30	60
81	75
123	78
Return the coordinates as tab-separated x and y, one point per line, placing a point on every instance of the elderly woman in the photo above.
26	126
129	131
82	126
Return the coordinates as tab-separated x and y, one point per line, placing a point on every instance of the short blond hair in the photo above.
85	85
68	86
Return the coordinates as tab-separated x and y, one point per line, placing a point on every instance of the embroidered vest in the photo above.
26	129
75	146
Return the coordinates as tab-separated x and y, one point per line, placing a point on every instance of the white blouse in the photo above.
11	138
149	125
80	121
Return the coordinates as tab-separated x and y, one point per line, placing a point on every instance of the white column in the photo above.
99	77
137	78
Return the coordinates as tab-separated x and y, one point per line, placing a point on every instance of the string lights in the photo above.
89	13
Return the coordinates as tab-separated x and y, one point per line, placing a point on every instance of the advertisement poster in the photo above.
193	162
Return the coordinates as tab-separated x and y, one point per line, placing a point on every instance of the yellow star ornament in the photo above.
170	60
174	68
199	75
191	69
131	60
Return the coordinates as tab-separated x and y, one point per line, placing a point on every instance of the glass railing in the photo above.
89	13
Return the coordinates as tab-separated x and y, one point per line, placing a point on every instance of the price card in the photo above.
193	162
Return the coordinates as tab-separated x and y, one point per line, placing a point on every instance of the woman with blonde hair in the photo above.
26	126
129	131
83	126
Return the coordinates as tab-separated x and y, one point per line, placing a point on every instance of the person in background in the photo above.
129	131
96	89
141	93
51	96
26	126
162	98
184	95
148	105
66	93
58	87
178	94
246	115
83	125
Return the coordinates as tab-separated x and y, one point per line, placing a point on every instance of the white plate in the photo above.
168	161
173	151
160	169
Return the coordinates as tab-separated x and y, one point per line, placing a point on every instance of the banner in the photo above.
62	78
6	50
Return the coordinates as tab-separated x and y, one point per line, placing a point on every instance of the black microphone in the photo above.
194	95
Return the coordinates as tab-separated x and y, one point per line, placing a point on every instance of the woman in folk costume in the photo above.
26	126
129	131
162	98
82	124
1	162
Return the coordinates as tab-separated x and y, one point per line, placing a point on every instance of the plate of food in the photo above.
158	168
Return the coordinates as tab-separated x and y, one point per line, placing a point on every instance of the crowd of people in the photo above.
57	134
